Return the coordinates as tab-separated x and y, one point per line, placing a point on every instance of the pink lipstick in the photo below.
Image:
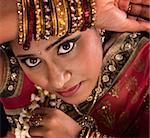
69	92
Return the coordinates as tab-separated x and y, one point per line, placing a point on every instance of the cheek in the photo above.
92	63
29	73
32	75
89	61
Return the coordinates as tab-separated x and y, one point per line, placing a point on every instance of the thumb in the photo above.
133	25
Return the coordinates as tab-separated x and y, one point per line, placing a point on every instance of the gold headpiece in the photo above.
45	18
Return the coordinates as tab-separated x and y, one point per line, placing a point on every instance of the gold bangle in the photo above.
41	18
38	20
25	20
76	15
62	18
48	25
54	19
80	15
66	19
20	22
93	12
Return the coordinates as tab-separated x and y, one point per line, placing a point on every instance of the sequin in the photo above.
13	60
10	87
127	46
90	98
111	68
53	104
119	57
13	76
105	78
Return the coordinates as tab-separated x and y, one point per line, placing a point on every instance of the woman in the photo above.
57	61
108	17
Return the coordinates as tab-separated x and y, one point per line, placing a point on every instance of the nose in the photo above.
57	77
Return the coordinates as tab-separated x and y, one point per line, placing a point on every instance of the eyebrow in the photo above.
57	41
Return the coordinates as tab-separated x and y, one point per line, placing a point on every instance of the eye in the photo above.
67	46
31	62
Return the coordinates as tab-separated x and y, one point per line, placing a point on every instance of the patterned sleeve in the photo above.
17	88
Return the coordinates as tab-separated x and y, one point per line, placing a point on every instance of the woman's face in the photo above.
69	67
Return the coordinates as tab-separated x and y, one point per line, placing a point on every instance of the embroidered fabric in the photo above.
14	74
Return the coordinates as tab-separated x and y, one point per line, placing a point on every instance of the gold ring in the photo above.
129	8
36	120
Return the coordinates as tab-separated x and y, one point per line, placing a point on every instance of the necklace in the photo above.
86	121
93	103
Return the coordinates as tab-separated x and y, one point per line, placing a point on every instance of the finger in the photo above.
144	2
141	19
124	4
36	131
131	17
44	111
139	10
134	25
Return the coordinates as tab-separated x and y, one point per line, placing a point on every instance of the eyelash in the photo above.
25	61
67	42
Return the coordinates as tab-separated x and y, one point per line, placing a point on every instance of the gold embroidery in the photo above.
132	88
115	90
117	59
13	83
146	103
135	97
131	84
107	117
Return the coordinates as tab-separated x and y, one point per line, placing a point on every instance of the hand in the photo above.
110	17
55	124
138	8
8	20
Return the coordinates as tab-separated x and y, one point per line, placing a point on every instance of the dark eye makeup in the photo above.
31	61
67	46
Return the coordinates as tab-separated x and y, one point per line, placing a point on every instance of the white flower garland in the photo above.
37	100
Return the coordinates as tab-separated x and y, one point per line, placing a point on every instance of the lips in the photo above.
69	92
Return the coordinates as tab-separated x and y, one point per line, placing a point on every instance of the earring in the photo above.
102	35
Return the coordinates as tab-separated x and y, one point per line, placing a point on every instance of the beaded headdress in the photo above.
41	19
